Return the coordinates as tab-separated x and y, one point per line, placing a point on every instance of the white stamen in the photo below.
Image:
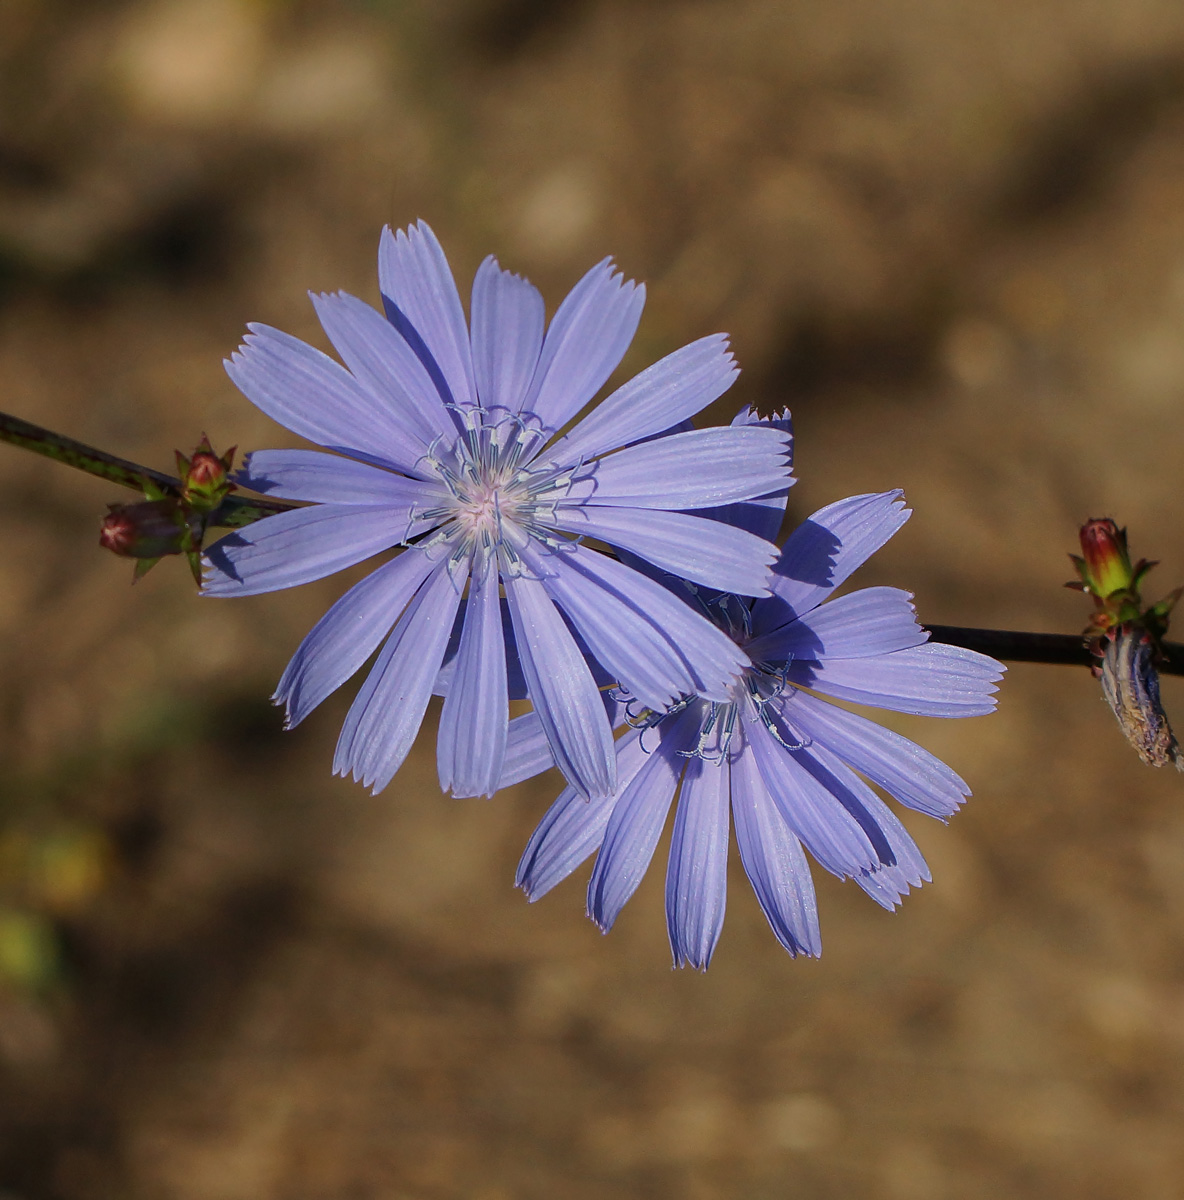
495	500
760	685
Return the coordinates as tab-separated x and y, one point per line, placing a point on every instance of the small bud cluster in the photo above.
171	523
1105	571
1126	639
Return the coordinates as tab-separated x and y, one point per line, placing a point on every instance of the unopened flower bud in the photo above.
1105	572
205	477
149	529
1106	564
1130	684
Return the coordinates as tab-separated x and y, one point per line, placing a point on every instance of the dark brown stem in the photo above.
1013	646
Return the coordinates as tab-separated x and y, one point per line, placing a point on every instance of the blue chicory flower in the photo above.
453	448
777	755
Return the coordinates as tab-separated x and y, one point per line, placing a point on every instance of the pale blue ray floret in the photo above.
775	760
449	443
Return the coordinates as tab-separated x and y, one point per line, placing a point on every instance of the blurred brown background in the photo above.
951	237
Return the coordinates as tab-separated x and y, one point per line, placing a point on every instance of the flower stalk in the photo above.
176	511
237	512
1065	649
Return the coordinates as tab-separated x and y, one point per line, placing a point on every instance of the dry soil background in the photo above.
951	237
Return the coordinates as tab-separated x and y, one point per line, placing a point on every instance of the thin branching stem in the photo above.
237	511
1014	646
233	513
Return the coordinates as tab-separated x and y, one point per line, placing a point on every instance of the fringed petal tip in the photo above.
277	700
889	886
217	580
532	896
370	781
682	962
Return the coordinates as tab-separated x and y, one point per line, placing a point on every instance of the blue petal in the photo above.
562	689
586	340
887	884
573	827
872	621
636	823
325	478
706	552
699	469
816	817
385	364
508	319
933	680
297	385
528	753
388	711
418	289
764	514
472	741
848	798
673	389
515	681
914	776
824	550
300	546
773	861
641	633
341	641
570	831
697	873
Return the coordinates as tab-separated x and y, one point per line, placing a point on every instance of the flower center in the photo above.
495	499
758	696
480	510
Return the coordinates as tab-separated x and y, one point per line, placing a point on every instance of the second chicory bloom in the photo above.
449	434
776	759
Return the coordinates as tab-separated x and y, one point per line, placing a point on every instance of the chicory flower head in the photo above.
448	441
776	755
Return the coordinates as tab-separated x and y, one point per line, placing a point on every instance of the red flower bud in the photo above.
205	477
146	530
1107	564
206	469
1106	573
